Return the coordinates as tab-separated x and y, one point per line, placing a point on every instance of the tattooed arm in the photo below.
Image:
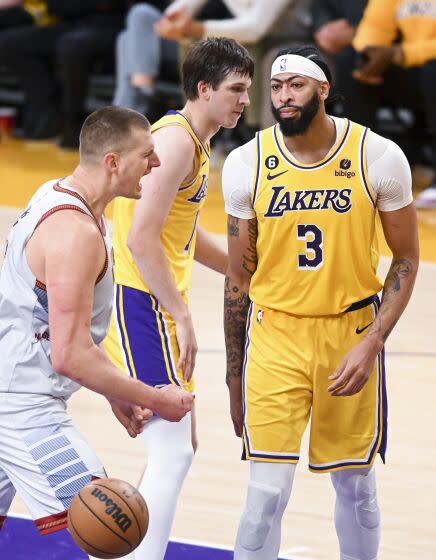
242	237
401	233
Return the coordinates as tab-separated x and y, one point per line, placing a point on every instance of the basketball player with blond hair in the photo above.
56	289
304	328
155	242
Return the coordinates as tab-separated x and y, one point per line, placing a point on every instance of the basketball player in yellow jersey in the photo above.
304	328
155	242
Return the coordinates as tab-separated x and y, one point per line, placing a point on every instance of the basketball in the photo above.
108	518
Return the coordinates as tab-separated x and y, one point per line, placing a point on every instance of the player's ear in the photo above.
110	161
203	89
325	90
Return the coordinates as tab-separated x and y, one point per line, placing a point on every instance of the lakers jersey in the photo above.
179	233
316	222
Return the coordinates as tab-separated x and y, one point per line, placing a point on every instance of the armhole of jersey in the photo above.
257	167
186	184
40	284
364	167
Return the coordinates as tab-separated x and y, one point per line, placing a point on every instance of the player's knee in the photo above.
360	491
257	519
367	510
185	456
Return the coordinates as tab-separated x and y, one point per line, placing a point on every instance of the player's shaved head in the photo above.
109	130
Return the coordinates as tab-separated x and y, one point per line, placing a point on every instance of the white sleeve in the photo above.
250	24
388	173
237	180
192	6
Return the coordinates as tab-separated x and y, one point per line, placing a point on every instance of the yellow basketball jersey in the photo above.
316	247
179	233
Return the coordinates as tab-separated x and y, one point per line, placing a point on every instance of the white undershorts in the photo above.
42	457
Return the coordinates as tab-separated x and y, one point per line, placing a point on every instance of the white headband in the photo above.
296	64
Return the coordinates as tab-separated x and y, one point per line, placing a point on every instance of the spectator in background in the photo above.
395	64
140	53
138	56
260	25
23	12
53	63
334	24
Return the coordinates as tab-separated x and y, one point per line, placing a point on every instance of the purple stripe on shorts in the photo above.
145	341
384	419
118	290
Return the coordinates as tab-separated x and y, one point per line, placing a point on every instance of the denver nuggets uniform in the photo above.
313	296
43	456
142	339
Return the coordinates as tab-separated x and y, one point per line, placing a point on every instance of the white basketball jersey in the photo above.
25	365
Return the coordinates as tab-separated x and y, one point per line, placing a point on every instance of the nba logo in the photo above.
283	65
259	316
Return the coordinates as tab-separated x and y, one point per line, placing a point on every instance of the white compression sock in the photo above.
268	494
357	516
170	455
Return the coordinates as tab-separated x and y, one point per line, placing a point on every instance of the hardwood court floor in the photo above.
214	492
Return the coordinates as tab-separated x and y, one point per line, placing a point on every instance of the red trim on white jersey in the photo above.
52	523
101	228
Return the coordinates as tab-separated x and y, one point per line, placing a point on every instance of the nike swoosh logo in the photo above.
271	177
358	331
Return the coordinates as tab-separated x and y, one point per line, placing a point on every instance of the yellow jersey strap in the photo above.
202	151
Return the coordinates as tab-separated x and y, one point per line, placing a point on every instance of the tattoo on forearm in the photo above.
236	304
400	269
250	256
233	226
236	300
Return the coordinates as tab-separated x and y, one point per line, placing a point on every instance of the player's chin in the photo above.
137	192
133	195
233	119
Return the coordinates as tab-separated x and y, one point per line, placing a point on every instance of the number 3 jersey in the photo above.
316	222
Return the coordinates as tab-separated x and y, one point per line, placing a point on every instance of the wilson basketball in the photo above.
108	518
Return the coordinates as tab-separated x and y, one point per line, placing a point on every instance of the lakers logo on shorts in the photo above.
259	316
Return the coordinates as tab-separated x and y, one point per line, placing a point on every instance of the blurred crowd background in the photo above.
61	59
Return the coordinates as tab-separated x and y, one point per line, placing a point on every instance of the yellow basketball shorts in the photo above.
142	339
287	362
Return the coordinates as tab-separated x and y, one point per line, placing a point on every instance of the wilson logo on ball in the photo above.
113	509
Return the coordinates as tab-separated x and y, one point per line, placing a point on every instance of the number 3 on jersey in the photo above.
313	258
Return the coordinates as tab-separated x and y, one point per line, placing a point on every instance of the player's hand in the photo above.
173	403
236	412
132	417
187	346
354	370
